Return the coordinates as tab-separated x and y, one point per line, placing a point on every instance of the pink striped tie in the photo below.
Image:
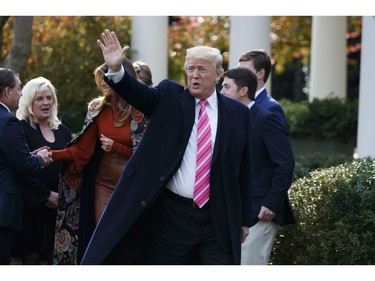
202	178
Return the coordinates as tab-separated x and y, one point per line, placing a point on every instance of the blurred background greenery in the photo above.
64	50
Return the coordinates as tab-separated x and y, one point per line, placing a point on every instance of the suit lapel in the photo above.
188	115
224	127
253	113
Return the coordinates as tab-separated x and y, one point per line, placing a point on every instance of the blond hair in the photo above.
25	107
111	98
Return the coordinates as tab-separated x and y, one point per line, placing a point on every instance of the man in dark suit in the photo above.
159	179
17	166
259	62
273	164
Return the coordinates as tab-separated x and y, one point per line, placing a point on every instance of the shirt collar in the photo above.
251	104
259	91
5	106
212	100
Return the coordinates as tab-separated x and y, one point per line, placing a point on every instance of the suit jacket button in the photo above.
161	178
143	203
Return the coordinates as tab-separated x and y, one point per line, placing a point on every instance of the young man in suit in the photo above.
259	62
273	164
17	166
160	177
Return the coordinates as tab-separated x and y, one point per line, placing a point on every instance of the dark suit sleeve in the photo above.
20	159
16	151
141	96
279	112
281	154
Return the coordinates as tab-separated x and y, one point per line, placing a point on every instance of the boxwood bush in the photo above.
330	118
304	164
335	212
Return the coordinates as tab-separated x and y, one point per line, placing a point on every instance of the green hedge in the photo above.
325	119
335	212
306	163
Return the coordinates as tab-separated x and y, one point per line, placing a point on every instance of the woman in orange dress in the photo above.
93	162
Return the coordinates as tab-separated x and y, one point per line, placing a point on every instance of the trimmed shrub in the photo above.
335	212
330	118
309	162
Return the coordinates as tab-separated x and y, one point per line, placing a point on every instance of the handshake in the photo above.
46	154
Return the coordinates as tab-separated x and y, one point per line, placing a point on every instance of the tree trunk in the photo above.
3	21
21	48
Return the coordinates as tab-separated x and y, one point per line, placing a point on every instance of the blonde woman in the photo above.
38	112
93	164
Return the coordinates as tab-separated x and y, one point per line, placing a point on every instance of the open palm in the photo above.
113	54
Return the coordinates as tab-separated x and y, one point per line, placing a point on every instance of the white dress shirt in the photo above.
251	104
183	181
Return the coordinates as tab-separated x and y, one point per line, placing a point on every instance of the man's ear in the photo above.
7	92
260	74
218	77
243	91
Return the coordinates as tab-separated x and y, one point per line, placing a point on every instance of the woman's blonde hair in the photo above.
25	107
111	98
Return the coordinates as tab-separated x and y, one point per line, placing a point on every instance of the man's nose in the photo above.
196	72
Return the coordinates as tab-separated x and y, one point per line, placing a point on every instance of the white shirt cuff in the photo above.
115	76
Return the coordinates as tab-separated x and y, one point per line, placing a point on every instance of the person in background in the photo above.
273	165
259	62
143	72
38	110
18	167
185	195
93	163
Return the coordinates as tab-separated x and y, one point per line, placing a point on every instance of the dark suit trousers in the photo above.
5	245
184	234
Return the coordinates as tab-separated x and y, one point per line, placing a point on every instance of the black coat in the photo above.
172	111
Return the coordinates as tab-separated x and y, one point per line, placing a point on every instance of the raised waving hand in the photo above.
113	54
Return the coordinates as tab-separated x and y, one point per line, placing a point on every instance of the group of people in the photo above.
208	183
215	189
44	173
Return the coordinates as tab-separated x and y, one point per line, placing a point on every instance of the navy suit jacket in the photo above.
17	169
172	112
267	102
273	165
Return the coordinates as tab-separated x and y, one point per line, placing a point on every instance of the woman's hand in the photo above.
107	143
35	152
